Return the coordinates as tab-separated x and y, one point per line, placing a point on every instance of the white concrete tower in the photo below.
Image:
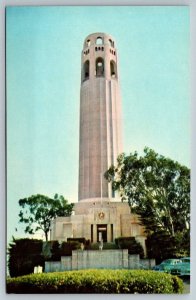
99	215
100	116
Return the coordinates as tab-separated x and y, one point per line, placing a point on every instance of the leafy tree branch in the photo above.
37	212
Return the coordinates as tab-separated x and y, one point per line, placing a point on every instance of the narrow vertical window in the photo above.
113	69
111	44
91	233
99	67
88	42
86	70
112	234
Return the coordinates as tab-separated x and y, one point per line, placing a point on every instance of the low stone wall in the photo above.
99	259
66	263
148	263
134	261
52	266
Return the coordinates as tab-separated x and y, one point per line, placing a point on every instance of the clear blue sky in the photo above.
43	55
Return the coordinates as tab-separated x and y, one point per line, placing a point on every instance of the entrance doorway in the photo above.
102	233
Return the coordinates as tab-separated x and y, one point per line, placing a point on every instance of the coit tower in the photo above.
100	116
99	214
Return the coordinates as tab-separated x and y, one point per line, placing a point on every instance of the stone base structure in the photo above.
97	220
99	259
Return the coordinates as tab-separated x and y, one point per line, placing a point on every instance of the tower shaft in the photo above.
100	116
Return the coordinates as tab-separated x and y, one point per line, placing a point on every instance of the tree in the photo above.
51	251
24	255
38	211
157	188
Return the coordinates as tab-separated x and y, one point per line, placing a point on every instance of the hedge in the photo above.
67	247
106	246
97	281
130	243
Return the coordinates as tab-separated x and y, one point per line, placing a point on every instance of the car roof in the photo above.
172	259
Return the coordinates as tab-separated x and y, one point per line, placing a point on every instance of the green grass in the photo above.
97	281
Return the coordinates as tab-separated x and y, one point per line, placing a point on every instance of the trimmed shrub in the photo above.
94	246
97	281
106	246
131	244
80	240
67	247
83	241
51	251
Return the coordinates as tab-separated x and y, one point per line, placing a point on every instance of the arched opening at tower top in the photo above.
99	67
113	70
86	70
99	41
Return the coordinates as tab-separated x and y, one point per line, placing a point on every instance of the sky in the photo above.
43	69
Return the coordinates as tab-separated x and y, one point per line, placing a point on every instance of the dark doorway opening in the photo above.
102	233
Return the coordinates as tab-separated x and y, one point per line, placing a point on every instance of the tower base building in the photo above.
96	220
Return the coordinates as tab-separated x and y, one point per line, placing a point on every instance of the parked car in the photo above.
167	265
183	268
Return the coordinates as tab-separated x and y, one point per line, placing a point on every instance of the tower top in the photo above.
99	38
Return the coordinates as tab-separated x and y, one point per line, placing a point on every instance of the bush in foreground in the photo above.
97	281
